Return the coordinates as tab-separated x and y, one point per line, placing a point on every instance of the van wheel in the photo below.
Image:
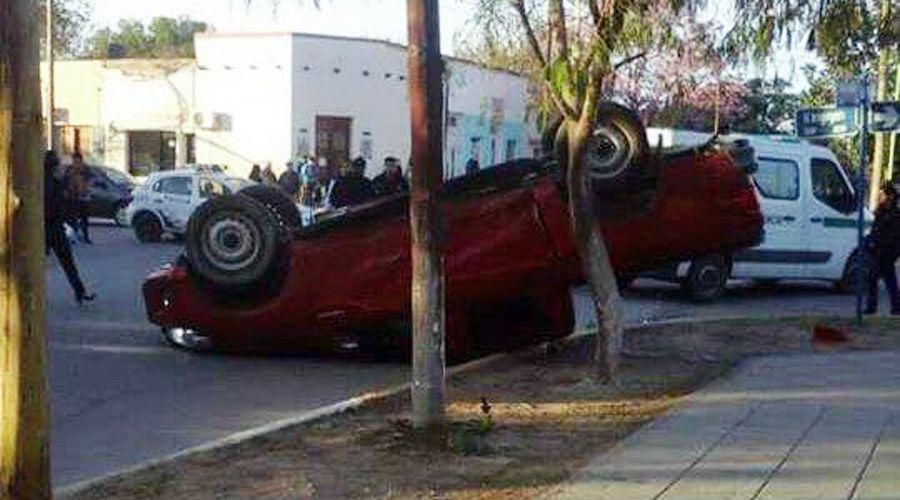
235	243
147	228
706	278
849	278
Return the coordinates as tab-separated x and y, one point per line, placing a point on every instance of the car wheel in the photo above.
234	243
120	215
617	144
850	276
276	201
147	228
706	278
187	340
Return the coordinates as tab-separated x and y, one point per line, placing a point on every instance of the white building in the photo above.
269	97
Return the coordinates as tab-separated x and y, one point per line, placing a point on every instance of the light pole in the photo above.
51	98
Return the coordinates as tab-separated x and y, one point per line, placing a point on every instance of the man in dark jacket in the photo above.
55	214
883	246
289	182
351	187
391	180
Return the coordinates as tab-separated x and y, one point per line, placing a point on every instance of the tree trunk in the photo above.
882	76
592	251
425	100
24	441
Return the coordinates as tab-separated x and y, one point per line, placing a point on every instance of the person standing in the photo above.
472	166
883	247
54	231
289	182
255	173
78	196
390	181
351	187
268	176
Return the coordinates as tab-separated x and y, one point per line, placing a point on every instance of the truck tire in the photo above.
147	228
235	243
276	201
706	278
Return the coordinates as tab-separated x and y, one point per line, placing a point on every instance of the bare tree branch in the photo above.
629	60
519	7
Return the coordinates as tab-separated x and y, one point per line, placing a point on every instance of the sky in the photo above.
380	19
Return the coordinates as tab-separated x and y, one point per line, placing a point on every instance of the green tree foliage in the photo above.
162	38
768	107
70	19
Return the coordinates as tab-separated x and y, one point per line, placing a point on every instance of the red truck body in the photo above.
510	262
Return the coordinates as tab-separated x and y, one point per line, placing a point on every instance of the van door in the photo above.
832	218
784	251
172	198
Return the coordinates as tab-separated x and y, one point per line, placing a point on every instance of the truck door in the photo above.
832	217
785	251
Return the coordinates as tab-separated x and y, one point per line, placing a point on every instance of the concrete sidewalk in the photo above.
810	426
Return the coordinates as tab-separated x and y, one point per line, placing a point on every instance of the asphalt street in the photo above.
121	396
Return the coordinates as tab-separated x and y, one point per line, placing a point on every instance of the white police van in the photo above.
808	202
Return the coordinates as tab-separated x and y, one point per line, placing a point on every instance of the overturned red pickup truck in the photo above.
253	278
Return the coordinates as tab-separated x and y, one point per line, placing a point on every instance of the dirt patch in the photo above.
517	428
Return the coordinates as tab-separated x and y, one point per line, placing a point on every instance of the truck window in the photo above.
829	186
777	179
174	185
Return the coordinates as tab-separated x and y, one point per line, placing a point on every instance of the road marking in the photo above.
111	348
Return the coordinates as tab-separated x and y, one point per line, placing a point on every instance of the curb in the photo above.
355	402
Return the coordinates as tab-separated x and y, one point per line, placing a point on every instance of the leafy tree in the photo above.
573	46
768	106
162	38
70	18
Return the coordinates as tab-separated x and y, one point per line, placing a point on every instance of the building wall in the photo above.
253	98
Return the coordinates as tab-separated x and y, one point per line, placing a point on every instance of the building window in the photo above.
76	139
150	151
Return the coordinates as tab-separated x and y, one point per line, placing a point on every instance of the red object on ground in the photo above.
510	262
830	335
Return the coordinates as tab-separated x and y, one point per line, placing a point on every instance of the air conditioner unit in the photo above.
207	120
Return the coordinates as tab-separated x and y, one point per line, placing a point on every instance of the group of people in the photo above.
312	185
65	202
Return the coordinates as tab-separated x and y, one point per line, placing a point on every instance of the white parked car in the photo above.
165	201
809	205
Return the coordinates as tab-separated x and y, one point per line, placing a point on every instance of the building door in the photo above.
333	140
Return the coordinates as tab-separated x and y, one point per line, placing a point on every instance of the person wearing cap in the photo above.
351	187
883	247
390	181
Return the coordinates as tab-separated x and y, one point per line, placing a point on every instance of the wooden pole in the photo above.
425	102
51	76
892	148
882	76
24	439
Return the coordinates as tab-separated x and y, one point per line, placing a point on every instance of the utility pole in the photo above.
428	317
861	198
892	148
24	417
51	76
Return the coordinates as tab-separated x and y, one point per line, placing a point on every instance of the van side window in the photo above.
777	179
829	186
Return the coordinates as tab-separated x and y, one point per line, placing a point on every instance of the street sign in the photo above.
886	116
826	122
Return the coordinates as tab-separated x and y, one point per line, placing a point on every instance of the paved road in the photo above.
807	426
120	396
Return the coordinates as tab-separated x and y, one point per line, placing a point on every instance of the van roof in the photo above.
669	137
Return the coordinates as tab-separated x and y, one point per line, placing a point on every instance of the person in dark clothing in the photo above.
255	173
391	180
351	187
54	232
289	182
268	176
883	246
472	166
77	195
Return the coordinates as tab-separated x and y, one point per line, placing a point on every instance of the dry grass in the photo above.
546	420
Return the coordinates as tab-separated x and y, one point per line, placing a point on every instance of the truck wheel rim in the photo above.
709	278
232	243
607	152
